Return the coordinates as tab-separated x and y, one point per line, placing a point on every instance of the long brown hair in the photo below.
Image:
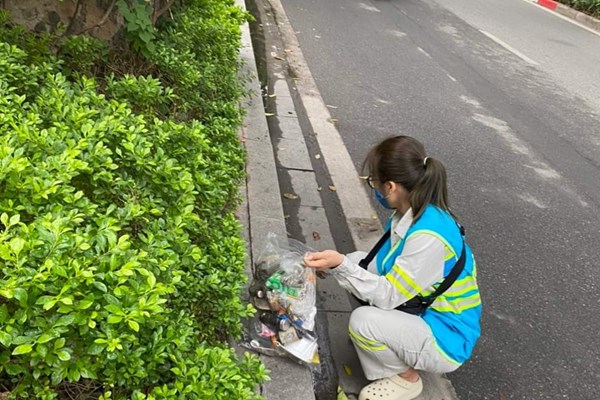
402	159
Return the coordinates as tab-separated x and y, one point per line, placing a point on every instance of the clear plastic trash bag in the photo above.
284	293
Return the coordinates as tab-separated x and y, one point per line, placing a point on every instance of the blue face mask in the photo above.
382	200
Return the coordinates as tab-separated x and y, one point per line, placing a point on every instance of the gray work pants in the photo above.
389	342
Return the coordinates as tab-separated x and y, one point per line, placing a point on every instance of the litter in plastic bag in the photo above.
284	293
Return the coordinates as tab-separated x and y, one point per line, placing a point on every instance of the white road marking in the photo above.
424	52
533	200
534	3
471	101
398	34
517	145
505	132
504	317
368	7
544	171
509	48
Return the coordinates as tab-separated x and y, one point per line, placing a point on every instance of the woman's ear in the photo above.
396	189
391	187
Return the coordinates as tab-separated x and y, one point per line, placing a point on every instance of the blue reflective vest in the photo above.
454	316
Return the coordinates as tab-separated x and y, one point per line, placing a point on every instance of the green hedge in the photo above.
121	262
590	7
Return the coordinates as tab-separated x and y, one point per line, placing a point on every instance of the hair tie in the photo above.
425	161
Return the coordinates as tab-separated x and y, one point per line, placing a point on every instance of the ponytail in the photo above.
430	189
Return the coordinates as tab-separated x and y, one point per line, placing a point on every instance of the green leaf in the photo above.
113	309
5	339
7	293
146	36
16	245
114	319
14	369
46	337
14	219
22	349
3	313
65	320
49	304
134	325
124	9
65	309
100	286
96	349
42	350
125	272
67	300
22	339
84	304
20	294
151	280
74	375
60	343
64	355
44	299
58	375
111	299
5	253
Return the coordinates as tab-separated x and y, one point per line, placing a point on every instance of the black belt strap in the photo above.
364	263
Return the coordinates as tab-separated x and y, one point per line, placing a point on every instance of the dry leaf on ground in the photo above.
291	196
347	370
332	188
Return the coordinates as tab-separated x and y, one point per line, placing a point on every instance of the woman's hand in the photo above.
323	260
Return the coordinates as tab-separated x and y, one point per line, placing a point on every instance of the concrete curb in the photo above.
582	18
263	212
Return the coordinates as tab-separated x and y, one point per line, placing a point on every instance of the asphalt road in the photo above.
520	135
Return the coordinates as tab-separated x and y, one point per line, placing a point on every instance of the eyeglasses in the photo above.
370	181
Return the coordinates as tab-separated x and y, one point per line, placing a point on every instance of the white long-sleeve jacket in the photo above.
422	260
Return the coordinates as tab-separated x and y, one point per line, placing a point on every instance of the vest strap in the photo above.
364	263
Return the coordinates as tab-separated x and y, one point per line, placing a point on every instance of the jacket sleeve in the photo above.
420	265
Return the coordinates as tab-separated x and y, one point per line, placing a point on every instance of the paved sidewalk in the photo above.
283	158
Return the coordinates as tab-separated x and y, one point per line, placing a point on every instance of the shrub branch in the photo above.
102	20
